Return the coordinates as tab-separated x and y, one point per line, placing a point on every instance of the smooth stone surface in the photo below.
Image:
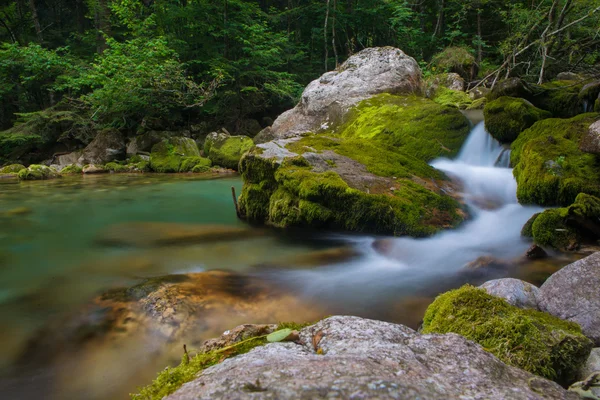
367	73
590	142
93	169
356	358
573	293
107	146
516	292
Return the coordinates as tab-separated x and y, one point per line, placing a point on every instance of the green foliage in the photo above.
507	117
549	167
527	339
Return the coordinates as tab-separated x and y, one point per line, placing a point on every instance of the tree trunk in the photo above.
102	22
325	36
480	39
333	34
36	21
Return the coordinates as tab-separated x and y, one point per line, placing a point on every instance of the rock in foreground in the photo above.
573	293
351	357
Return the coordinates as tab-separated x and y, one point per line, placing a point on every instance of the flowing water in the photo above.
51	264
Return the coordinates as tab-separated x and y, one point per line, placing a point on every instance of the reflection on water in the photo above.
63	242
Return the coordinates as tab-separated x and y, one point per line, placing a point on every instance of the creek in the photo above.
51	263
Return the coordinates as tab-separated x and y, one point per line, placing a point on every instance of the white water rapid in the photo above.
407	263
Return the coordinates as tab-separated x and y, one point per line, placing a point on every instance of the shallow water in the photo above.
51	262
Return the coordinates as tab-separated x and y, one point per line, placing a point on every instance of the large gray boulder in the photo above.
325	100
107	146
515	291
590	142
351	357
573	293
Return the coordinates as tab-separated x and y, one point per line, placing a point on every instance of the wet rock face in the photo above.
516	292
107	146
573	294
365	74
351	357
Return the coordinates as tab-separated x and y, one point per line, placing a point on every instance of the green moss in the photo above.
171	379
564	228
12	169
512	87
188	164
229	152
417	126
37	172
72	169
455	59
506	117
116	167
478	104
527	339
561	98
452	98
168	155
549	167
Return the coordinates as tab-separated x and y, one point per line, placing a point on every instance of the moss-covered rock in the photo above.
549	167
228	151
12	169
369	175
72	169
168	155
506	117
116	167
566	228
190	163
453	98
511	87
456	59
527	230
528	339
561	98
37	172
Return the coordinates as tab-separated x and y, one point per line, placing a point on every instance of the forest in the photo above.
131	64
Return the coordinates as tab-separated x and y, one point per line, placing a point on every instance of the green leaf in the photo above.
279	335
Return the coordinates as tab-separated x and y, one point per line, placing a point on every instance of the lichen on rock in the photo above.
506	117
528	339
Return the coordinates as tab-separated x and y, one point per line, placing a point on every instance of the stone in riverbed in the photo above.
351	357
516	292
107	146
573	294
94	169
168	155
150	234
225	150
37	172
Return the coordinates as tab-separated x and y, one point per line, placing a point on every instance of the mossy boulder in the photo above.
168	155
72	169
369	175
37	172
566	228
116	167
199	163
458	60
561	98
506	117
512	87
453	98
226	152
12	169
549	167
531	340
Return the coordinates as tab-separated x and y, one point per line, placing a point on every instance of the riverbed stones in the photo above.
516	292
351	357
37	172
92	169
573	294
152	234
107	146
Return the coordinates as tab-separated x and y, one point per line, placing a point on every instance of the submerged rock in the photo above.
528	339
516	292
506	117
549	167
572	294
107	146
351	357
150	234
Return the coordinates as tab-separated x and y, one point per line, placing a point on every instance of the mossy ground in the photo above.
171	379
506	117
527	339
392	137
549	167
